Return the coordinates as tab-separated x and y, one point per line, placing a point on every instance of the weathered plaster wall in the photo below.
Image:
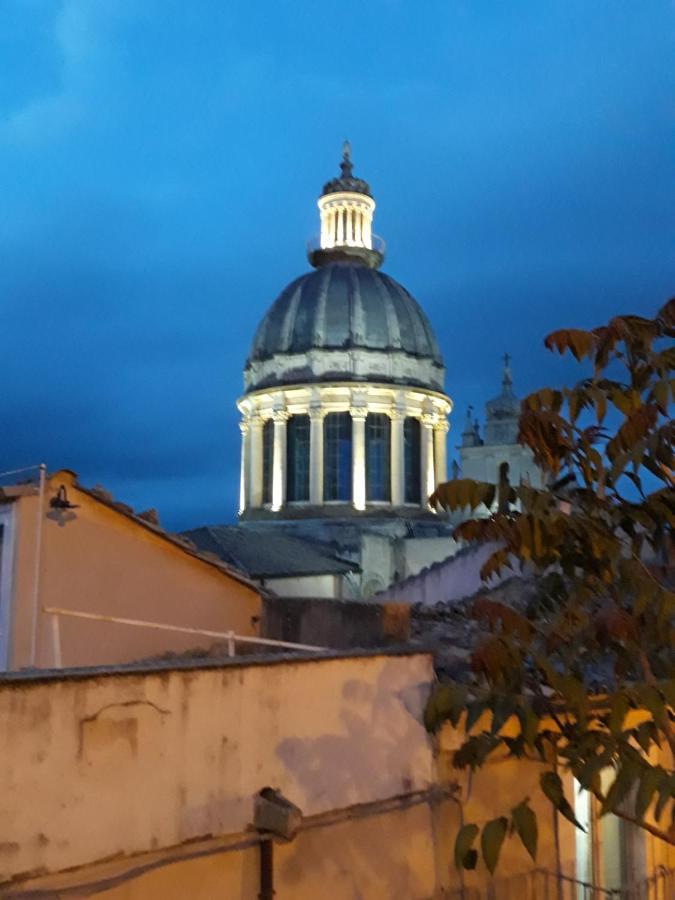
493	791
335	624
422	552
453	579
125	764
93	559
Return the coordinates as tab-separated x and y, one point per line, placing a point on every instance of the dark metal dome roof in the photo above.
344	306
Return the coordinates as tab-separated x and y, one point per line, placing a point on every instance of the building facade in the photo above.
482	458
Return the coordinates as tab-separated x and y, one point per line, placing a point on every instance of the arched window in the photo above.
337	456
267	453
297	459
378	452
411	460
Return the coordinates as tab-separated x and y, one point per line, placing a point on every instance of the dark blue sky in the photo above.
159	166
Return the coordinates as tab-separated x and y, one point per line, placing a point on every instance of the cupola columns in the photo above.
346	210
430	410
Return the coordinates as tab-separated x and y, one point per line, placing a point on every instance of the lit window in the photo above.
268	451
337	457
378	449
411	457
297	459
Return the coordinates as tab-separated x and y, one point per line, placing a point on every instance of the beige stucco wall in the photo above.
93	768
94	559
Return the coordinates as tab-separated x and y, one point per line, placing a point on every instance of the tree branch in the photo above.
667	836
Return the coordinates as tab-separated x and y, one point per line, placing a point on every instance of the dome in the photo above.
345	306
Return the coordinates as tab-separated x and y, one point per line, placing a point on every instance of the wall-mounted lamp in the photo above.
61	501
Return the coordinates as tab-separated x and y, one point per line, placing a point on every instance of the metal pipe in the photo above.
36	572
266	870
139	623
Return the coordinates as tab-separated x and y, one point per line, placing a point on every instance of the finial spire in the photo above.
506	378
346	164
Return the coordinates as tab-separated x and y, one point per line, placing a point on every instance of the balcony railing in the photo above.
378	245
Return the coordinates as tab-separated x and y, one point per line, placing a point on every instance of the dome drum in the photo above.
344	446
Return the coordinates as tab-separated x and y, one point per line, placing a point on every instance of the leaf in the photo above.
652	701
619	706
446	703
626	777
463	844
525	823
491	841
651	778
462	493
666	793
552	787
580	343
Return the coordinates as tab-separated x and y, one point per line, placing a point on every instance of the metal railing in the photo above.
376	243
541	884
231	637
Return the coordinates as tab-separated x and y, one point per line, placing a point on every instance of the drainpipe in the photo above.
273	817
36	571
266	870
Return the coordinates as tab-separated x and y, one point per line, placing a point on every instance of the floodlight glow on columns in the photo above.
359	458
279	461
243	476
346	220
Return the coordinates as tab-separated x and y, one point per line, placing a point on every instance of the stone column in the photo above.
279	460
255	484
316	455
397	457
440	452
358	229
340	233
427	423
244	427
359	414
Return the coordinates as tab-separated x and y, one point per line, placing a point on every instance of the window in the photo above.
267	454
411	460
337	456
378	451
297	459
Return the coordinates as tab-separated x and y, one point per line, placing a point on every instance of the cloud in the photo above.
81	34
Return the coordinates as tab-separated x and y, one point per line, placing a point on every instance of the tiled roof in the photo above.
267	553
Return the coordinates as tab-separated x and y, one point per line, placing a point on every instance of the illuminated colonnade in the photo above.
346	220
399	405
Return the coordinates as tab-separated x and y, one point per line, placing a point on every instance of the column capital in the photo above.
429	419
244	426
396	413
359	413
281	415
316	412
442	425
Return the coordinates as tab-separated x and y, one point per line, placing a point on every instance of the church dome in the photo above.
346	306
344	411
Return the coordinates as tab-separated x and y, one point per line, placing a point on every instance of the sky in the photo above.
159	168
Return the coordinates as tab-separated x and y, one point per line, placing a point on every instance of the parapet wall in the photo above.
335	624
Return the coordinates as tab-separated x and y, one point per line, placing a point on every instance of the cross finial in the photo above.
506	380
346	165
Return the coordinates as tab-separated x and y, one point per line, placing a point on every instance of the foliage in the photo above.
587	673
